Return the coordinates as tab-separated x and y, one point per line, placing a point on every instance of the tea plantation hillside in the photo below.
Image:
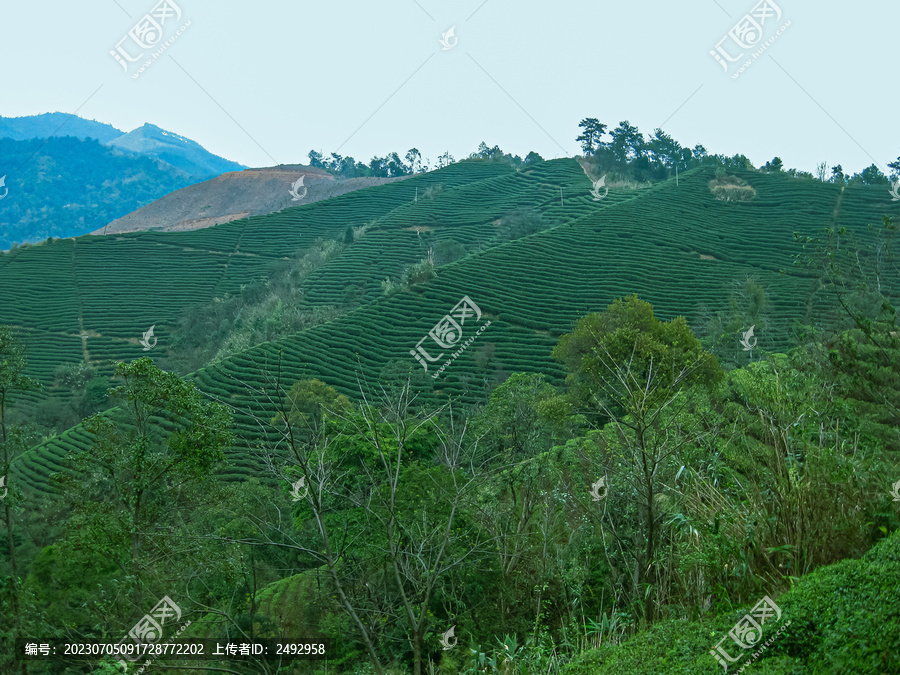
531	289
468	215
92	298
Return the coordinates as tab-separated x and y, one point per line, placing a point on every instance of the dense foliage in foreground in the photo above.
617	500
843	619
718	488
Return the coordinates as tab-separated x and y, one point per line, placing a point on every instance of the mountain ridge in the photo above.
148	139
42	157
178	151
56	124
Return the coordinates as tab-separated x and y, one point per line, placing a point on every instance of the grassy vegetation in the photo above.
532	288
118	288
464	497
843	619
98	295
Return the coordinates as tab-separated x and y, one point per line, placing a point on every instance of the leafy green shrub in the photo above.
844	619
448	251
418	273
521	223
731	189
389	286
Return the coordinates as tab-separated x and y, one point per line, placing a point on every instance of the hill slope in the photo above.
108	291
60	187
67	176
99	294
843	619
235	195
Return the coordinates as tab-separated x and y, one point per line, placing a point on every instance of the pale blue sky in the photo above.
262	83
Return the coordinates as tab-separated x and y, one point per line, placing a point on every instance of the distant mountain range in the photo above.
178	151
148	140
67	176
56	124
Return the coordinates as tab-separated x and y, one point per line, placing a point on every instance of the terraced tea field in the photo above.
109	290
676	246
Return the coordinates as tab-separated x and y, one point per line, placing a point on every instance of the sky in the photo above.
263	83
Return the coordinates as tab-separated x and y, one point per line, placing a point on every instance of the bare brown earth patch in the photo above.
236	195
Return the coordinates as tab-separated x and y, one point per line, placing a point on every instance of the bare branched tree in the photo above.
380	516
